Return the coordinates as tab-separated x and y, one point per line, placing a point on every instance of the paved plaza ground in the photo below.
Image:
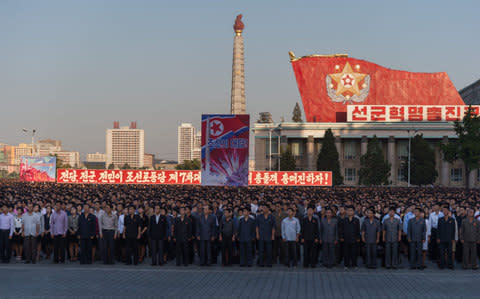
47	280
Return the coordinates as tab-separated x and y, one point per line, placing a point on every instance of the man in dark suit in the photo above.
349	232
131	234
265	229
228	227
192	242
446	238
157	230
87	228
206	231
246	234
182	233
310	233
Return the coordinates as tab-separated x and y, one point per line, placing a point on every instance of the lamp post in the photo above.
409	150
270	150
270	147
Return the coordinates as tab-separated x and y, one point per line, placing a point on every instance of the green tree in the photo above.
126	166
297	114
328	158
422	162
467	147
374	170
111	166
287	160
194	164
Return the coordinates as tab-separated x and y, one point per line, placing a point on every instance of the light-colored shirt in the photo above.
109	222
434	219
121	223
98	213
406	219
58	223
290	228
6	223
388	217
30	223
42	220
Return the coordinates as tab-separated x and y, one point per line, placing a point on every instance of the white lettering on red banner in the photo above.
392	113
189	177
290	178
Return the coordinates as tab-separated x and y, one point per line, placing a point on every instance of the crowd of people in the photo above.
251	226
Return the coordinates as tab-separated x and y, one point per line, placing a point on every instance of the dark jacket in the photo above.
329	230
349	231
87	226
446	229
416	230
309	229
182	229
206	228
228	228
246	230
158	231
131	226
265	227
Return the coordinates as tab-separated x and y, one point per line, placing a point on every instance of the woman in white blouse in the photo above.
17	239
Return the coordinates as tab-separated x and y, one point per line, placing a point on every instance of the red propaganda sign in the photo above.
88	176
225	140
390	113
330	84
290	178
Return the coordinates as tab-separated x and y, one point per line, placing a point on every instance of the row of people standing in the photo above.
273	235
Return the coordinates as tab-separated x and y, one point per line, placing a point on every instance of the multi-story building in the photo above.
47	147
96	157
21	150
148	160
186	142
68	158
125	145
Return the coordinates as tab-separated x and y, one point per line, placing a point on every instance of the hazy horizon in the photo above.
71	69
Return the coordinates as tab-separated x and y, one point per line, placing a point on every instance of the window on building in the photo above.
274	146
349	150
402	149
402	175
297	148
456	175
350	174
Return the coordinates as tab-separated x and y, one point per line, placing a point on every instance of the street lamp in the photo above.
33	138
270	147
409	150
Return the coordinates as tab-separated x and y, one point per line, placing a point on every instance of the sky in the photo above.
71	68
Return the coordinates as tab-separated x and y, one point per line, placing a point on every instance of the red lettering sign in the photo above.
290	178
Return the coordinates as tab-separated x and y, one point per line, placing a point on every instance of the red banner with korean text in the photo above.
392	113
330	84
90	176
189	177
290	178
